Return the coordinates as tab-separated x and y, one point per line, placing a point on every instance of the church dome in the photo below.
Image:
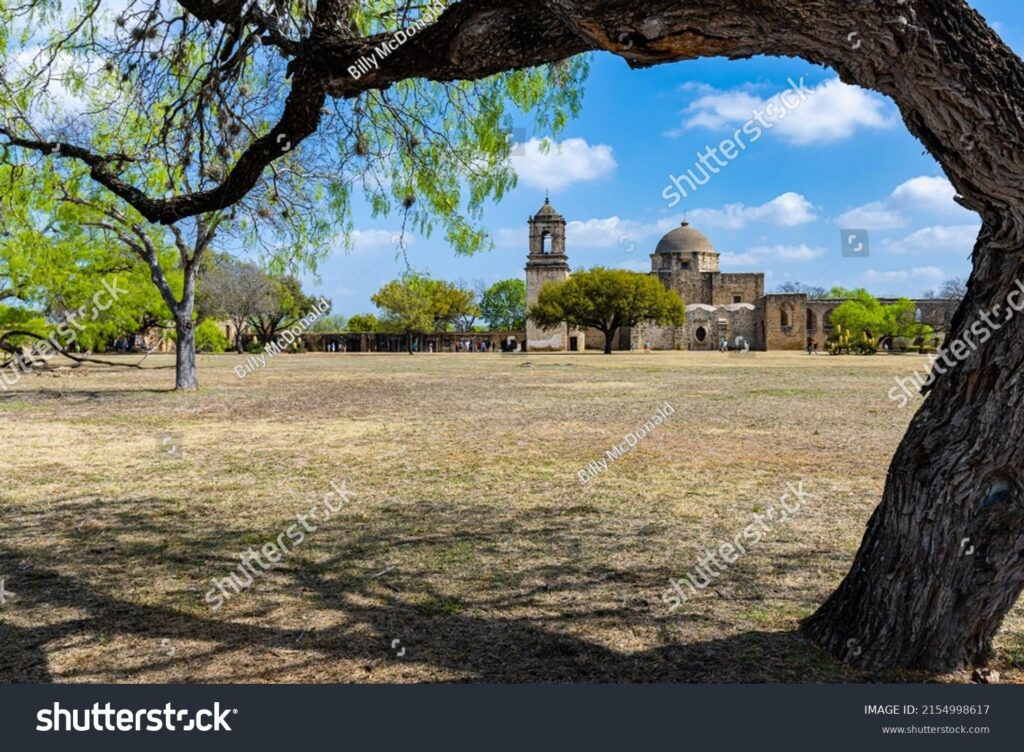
685	239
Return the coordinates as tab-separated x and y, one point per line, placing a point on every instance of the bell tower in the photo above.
545	263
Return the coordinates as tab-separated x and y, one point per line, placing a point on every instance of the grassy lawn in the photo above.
468	538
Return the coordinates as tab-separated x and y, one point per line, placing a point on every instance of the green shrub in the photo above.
209	338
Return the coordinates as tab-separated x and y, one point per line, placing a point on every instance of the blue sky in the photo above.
841	159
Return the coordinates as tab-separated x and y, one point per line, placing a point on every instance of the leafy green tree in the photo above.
860	315
503	304
65	201
56	256
363	323
865	320
607	299
209	337
331	324
236	290
838	292
288	303
409	306
452	305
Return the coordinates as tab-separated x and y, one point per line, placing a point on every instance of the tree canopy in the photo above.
363	323
287	304
607	299
408	306
214	106
503	304
797	287
864	320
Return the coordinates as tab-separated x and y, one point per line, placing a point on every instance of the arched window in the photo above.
701	333
917	316
812	321
545	240
784	317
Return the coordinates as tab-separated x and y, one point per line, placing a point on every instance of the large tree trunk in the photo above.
608	342
185	354
942	560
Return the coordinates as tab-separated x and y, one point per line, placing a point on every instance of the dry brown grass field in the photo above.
468	539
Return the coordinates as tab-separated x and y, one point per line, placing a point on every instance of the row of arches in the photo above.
786	318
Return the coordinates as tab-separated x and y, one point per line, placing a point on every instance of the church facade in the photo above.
719	305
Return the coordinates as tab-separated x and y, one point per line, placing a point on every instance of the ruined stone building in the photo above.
719	304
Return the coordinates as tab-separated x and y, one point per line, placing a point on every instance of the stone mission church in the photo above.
718	304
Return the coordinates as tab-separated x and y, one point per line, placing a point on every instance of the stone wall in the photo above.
704	329
693	287
936	312
818	321
538	273
594	338
724	287
660	337
790	334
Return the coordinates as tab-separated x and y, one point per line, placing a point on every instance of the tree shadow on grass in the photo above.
71	395
491	650
53	610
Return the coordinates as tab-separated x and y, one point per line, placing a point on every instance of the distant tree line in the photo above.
953	289
415	304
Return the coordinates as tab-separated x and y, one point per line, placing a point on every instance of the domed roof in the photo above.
684	239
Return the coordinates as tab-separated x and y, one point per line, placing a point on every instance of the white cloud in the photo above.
834	113
928	274
759	255
830	111
787	210
928	193
737	260
935	239
369	242
604	233
721	108
802	252
873	216
511	237
931	195
571	161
